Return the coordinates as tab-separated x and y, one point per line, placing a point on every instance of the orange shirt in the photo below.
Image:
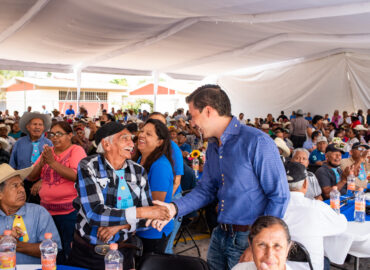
58	193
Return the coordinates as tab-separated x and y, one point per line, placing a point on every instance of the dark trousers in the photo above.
155	245
297	140
85	257
66	227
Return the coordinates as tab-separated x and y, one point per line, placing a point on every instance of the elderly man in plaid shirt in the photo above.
113	200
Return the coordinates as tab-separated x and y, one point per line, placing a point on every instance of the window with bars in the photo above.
84	96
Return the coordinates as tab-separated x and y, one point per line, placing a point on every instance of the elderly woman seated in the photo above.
28	222
269	242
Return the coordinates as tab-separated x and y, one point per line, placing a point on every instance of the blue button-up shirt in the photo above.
245	173
38	221
22	151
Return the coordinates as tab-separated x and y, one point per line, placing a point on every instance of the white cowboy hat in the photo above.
282	145
4	143
7	172
28	116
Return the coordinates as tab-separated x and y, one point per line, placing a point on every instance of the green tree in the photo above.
6	75
122	81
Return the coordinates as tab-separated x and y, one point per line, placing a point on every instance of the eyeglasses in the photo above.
127	137
56	134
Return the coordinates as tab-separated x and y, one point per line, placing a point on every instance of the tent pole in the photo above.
155	79
78	82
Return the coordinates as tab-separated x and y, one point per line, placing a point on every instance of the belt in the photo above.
234	228
101	249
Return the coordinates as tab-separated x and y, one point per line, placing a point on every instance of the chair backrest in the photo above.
298	253
171	262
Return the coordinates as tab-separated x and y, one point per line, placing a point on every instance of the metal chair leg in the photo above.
357	263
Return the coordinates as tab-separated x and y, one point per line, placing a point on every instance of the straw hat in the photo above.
28	116
282	145
7	172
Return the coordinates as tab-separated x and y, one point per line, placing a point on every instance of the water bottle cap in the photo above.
48	235
113	246
335	188
361	189
7	232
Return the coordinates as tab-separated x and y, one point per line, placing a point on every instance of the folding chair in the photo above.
298	253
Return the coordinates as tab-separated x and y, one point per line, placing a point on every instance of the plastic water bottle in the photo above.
360	204
351	182
49	251
8	245
335	199
196	168
114	258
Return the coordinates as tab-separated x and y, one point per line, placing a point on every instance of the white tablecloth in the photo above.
355	241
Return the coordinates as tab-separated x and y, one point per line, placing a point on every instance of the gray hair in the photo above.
301	150
296	186
100	149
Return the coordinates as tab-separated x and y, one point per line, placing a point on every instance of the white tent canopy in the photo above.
187	39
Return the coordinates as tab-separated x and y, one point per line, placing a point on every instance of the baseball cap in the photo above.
333	148
295	172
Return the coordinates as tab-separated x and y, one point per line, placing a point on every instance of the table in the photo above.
355	241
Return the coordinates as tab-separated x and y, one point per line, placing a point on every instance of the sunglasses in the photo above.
57	134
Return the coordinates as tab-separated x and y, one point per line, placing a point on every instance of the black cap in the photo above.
358	145
182	133
107	130
295	172
334	148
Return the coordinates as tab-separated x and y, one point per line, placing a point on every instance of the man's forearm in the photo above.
31	249
176	183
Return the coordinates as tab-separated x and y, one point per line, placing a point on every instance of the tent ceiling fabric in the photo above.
189	38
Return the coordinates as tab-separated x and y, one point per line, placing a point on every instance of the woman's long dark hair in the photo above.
164	149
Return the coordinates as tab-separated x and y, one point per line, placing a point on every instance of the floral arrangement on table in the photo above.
339	143
197	154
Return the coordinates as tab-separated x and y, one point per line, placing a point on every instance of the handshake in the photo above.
160	220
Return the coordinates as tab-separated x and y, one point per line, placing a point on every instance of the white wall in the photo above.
165	103
115	100
20	100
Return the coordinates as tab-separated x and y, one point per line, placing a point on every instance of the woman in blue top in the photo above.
154	149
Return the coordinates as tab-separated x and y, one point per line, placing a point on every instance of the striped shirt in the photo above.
97	188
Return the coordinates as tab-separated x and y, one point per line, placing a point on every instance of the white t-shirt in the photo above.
251	266
309	221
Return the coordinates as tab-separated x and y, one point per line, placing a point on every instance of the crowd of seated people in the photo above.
74	155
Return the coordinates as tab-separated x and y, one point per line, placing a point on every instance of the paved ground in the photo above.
203	240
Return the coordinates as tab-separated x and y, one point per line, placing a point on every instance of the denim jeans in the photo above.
226	248
177	224
66	227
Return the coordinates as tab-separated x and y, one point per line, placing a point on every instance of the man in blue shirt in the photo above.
317	156
28	222
243	171
28	149
185	147
70	112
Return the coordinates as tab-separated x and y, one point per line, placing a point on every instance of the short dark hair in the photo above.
315	134
63	125
264	222
316	119
211	95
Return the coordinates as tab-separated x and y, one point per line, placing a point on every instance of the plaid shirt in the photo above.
97	188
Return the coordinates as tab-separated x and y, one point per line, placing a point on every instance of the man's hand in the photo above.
246	256
107	233
346	172
159	224
17	232
153	212
36	188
